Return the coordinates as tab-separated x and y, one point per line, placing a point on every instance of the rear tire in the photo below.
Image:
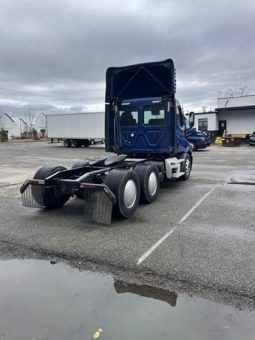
76	143
67	143
86	143
149	182
126	187
79	164
52	198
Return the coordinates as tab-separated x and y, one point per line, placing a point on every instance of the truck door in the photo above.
156	127
128	121
147	128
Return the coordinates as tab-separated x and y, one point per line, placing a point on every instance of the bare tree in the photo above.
244	90
220	94
3	133
29	117
230	93
2	120
233	92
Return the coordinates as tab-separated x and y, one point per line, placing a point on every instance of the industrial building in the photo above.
13	127
17	127
236	115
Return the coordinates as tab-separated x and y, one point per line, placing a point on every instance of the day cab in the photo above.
144	128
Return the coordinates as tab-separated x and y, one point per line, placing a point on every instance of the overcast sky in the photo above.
54	53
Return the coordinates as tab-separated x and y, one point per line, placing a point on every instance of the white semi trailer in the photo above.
76	129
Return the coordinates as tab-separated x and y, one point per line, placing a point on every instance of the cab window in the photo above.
154	115
128	117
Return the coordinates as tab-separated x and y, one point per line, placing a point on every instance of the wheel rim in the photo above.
152	184
187	167
130	194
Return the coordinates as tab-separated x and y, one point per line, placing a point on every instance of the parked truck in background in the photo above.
76	129
144	127
252	139
198	139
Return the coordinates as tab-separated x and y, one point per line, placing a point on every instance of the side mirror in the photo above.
182	119
191	119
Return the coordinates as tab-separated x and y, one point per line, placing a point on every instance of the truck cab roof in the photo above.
146	80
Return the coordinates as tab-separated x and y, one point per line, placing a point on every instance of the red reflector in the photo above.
34	181
88	186
23	188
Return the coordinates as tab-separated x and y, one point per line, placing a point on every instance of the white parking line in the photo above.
158	243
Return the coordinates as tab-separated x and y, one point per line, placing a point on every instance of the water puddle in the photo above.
40	301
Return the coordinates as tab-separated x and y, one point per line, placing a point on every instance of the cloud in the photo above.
57	52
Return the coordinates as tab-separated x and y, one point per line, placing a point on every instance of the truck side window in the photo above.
153	115
128	117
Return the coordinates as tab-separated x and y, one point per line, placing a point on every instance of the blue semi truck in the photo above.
144	128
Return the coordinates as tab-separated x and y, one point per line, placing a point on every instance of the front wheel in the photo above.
186	167
125	185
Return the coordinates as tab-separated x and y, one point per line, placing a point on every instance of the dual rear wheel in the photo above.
149	182
125	185
132	186
77	143
129	186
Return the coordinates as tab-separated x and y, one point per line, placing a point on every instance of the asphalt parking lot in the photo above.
201	232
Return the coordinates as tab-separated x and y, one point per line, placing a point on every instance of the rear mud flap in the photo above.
98	203
33	196
98	207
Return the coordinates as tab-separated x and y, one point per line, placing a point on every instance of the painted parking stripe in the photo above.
170	232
